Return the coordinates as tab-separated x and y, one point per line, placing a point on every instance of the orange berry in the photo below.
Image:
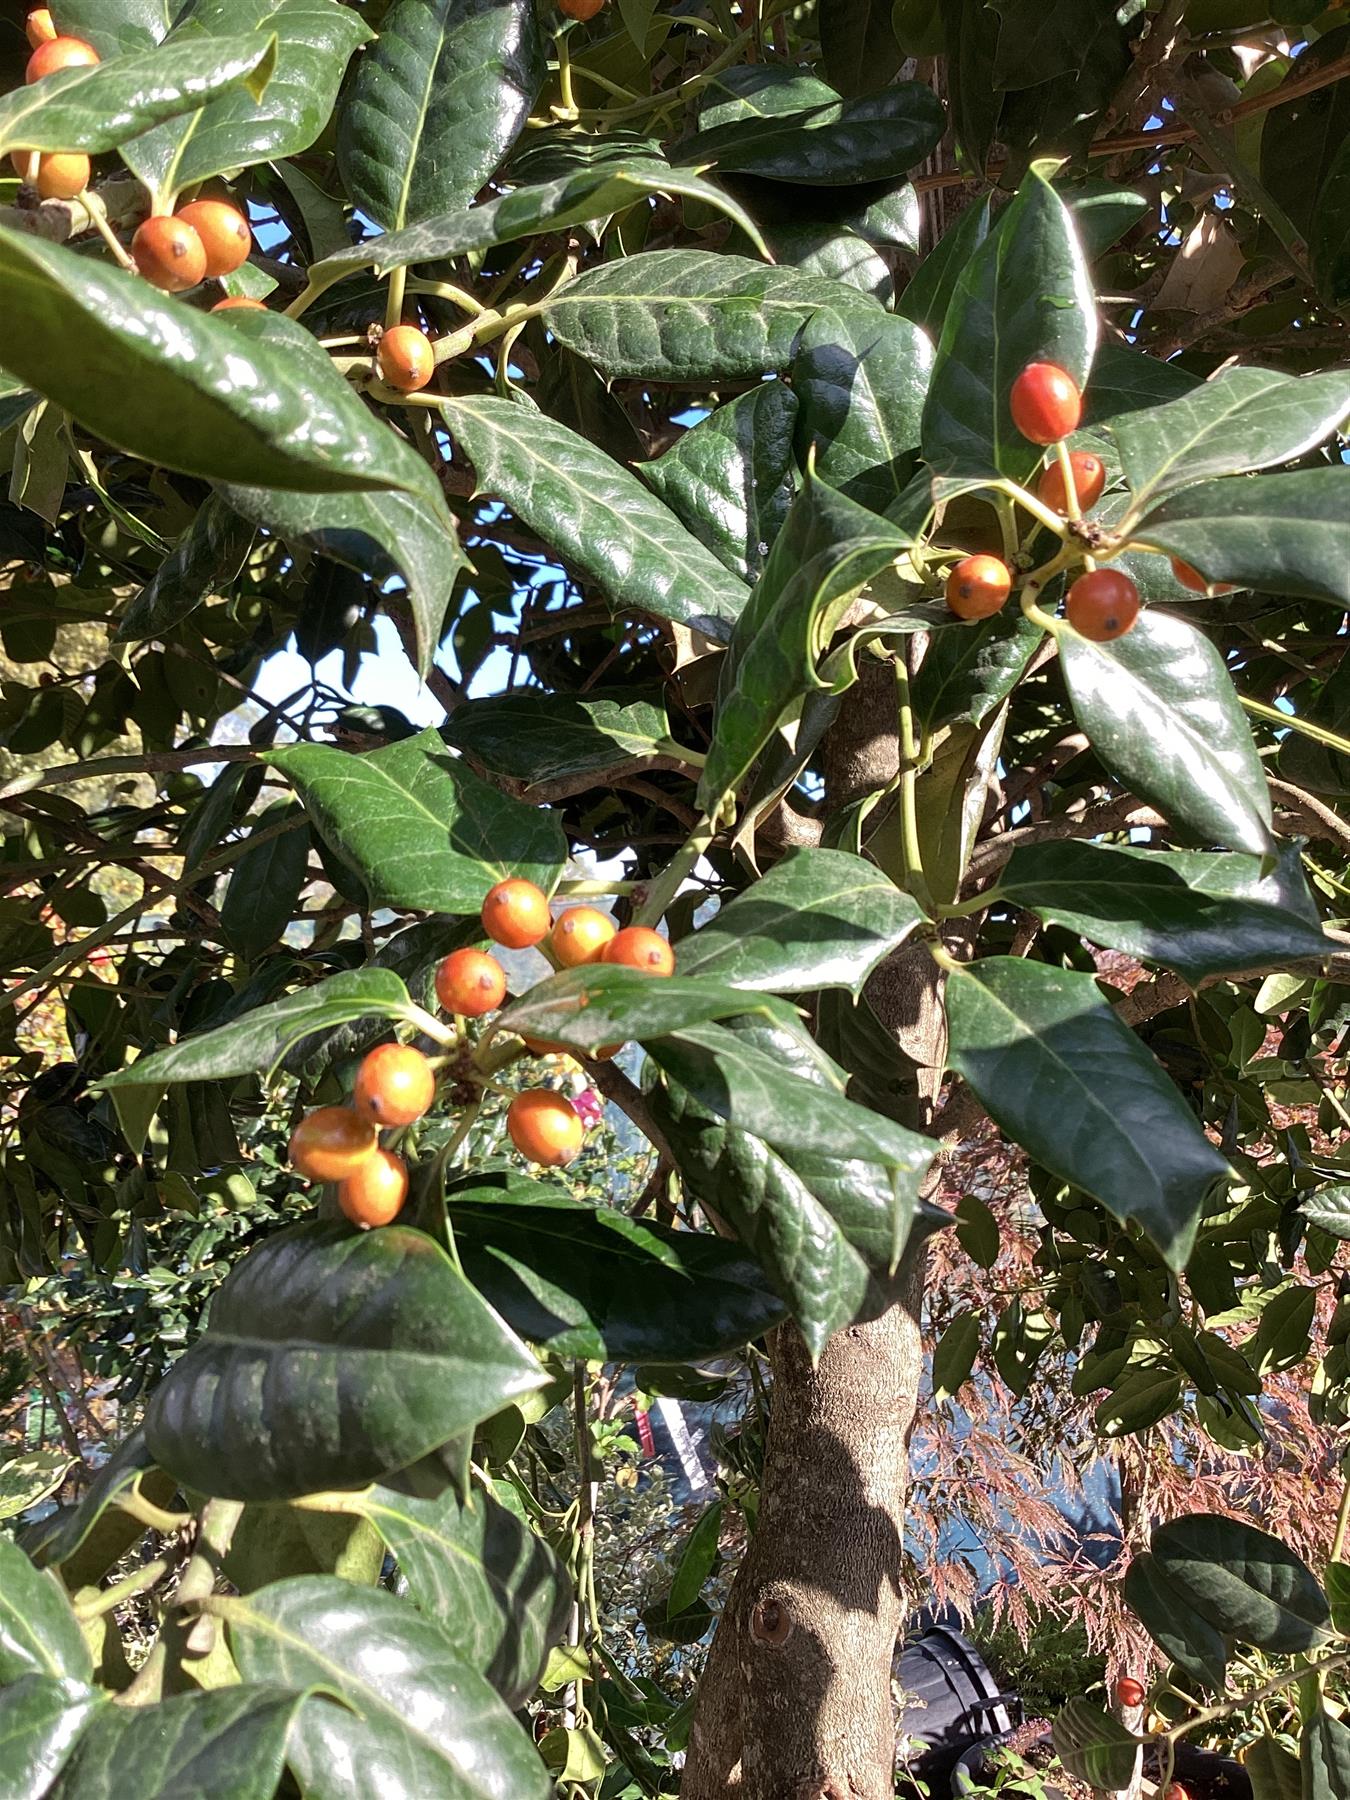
1089	479
1195	581
978	587
580	935
237	303
515	913
1045	403
57	53
331	1143
169	254
224	232
406	359
470	982
394	1085
544	1047
545	1127
374	1193
1103	604
63	174
580	9
639	947
40	27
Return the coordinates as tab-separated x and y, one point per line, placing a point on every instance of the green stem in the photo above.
911	852
165	1523
668	883
576	889
148	1576
1071	505
1037	508
568	108
446	290
1207	1715
675	96
1292	722
430	1026
1342	1524
393	305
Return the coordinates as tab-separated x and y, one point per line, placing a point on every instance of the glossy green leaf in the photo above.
977	1231
1140	1399
1055	1068
762	90
421	829
41	1718
258	1041
1094	1746
39	1634
1246	1583
1178	1630
826	1230
436	104
314	41
967	672
1045	40
1243	419
231	1742
1329	1209
492	1584
932	288
272	1541
954	1357
597	515
879	137
409	1714
1279	534
1155	905
819	918
1324	1757
206	559
593	1283
829	547
697	1561
1125	381
1159	709
100	108
1283	1332
1102	213
1024	297
533	736
116	27
328	1360
728	479
858	44
861	380
572	199
600	1004
217	397
684	315
264	886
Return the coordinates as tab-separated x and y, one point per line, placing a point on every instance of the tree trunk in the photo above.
795	1703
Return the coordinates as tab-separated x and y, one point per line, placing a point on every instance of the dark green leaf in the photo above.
1337	1579
1155	905
877	138
272	1541
535	737
264	886
1102	213
220	398
230	1743
1330	241
1329	1209
1094	1745
422	830
861	380
930	292
682	315
117	27
593	1283
41	1717
977	1231
697	1561
314	40
1024	297
39	1634
1324	1756
1301	139
1173	1624
493	1586
330	1359
597	515
954	1357
1273	1771
1246	1583
259	1040
728	479
602	1004
1139	1399
819	918
1282	1336
1243	419
828	548
100	108
966	673
1057	1070
411	1716
1280	534
206	559
1159	708
1125	381
858	44
436	104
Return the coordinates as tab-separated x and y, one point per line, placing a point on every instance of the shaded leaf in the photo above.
1246	1583
954	1357
1094	1745
861	380
697	1561
879	137
41	1718
533	737
1173	1624
231	1742
206	559
601	1004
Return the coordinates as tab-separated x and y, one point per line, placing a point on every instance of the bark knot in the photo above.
770	1623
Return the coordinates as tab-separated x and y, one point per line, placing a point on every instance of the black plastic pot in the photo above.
951	1699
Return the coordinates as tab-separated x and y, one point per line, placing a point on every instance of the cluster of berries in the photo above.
1046	407
396	1084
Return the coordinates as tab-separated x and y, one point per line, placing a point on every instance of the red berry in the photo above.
1089	479
169	254
332	1143
395	1085
1045	403
60	174
224	232
515	913
1129	1692
55	54
580	9
374	1193
978	587
1103	604
545	1127
1195	581
471	983
639	947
